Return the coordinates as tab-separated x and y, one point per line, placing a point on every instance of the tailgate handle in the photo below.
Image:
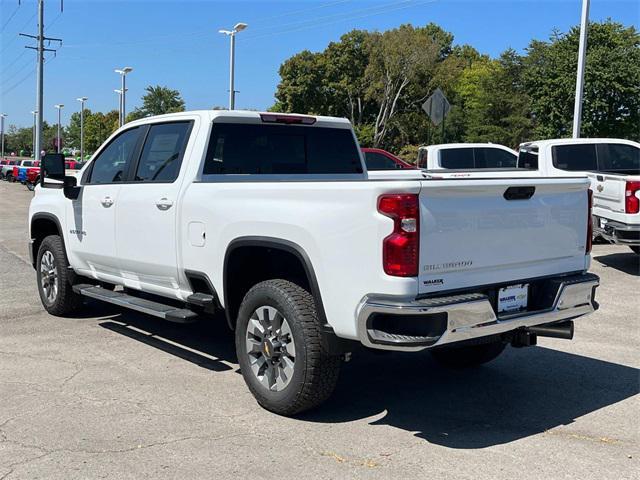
519	193
600	178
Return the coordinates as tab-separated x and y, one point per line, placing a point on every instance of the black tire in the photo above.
31	186
635	249
468	356
315	372
63	300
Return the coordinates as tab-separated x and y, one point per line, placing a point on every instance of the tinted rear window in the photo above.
456	158
614	157
488	157
378	161
575	158
281	150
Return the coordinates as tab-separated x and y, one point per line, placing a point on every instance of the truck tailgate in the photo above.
479	232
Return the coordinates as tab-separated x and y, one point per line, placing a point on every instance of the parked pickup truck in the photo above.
612	165
466	156
272	219
6	173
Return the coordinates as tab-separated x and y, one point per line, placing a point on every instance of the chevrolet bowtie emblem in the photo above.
600	188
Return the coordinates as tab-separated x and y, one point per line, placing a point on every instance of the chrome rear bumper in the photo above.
469	316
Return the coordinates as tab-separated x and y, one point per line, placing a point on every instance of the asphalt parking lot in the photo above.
116	394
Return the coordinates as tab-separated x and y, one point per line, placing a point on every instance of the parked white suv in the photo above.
273	219
612	165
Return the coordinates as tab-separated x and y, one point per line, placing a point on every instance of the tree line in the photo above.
98	126
379	80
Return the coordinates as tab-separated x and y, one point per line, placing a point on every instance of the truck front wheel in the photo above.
279	347
54	278
468	356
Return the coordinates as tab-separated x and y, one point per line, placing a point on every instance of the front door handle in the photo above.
164	204
106	202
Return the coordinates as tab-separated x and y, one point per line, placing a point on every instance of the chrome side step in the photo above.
160	310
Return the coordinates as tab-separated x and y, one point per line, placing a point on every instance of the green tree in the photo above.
158	101
612	82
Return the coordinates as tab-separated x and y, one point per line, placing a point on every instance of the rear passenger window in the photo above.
378	161
456	158
618	157
575	158
162	152
277	149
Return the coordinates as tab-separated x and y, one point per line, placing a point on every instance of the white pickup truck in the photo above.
612	165
466	156
274	219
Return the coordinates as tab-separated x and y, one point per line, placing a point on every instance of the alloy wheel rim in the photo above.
49	276
271	348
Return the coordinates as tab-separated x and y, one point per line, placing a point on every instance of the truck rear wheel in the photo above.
279	347
54	278
468	356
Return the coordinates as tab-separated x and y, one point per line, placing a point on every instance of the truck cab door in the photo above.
148	207
91	218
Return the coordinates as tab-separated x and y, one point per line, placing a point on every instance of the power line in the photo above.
9	19
16	36
331	20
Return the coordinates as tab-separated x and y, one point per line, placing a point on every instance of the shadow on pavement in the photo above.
206	343
625	262
524	392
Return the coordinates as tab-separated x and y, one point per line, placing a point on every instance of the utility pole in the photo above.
82	100
2	117
123	89
232	59
40	38
119	92
59	107
582	61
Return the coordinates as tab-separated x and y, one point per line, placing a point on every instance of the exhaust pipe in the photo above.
554	330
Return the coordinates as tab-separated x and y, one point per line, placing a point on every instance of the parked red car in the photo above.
378	159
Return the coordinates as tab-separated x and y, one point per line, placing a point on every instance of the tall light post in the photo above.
82	100
232	33
33	135
2	117
582	61
119	92
123	74
59	106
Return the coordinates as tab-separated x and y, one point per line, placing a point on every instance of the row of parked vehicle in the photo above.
27	172
612	165
312	254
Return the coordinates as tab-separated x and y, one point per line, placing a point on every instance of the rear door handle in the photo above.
106	202
164	204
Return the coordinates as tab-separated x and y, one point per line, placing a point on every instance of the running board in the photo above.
160	310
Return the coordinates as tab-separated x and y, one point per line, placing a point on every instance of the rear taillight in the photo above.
631	200
400	249
589	223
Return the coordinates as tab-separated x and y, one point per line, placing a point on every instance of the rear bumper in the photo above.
617	232
460	318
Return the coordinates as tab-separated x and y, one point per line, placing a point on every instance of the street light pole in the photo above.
582	60
82	100
123	73
59	107
232	57
33	134
119	92
2	117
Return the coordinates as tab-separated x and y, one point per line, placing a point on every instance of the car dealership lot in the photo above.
122	395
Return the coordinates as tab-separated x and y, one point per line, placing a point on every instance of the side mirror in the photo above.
71	190
52	168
